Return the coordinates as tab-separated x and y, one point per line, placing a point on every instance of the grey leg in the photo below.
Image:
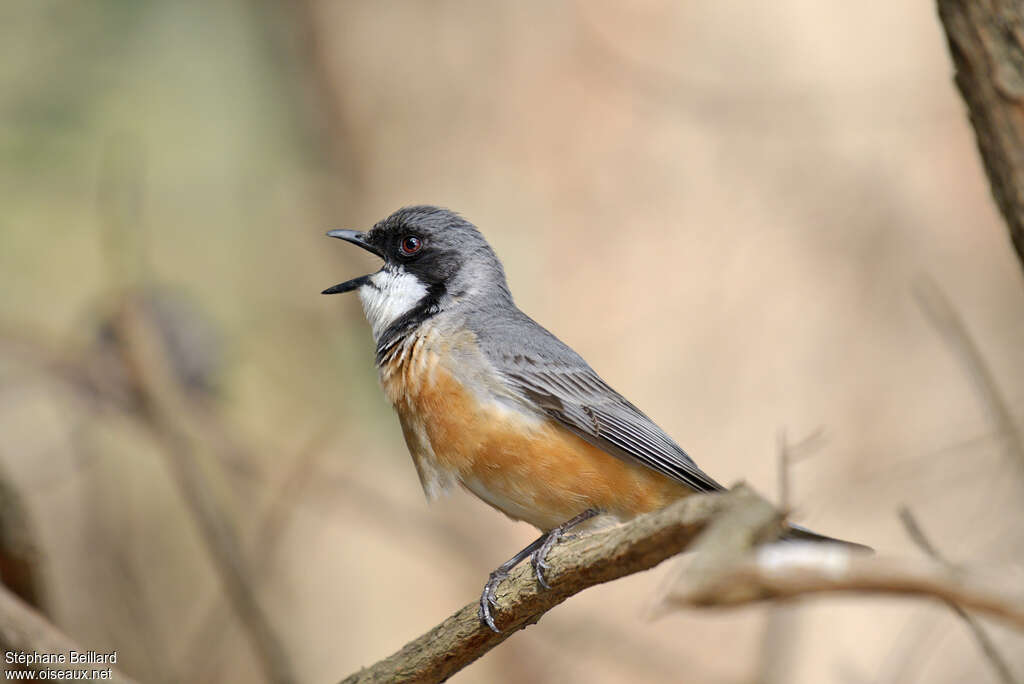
537	551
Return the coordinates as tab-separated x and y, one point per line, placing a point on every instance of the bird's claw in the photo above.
489	598
537	558
537	552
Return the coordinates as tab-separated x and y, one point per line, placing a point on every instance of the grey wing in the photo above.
564	386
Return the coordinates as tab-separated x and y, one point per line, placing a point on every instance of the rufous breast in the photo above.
462	426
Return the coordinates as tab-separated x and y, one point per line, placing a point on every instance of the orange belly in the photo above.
530	468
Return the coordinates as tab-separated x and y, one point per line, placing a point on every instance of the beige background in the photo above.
724	206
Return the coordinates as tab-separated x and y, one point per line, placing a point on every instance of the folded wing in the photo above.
574	395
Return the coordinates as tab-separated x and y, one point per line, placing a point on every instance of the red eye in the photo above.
411	244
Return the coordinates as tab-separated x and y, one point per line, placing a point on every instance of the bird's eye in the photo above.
410	245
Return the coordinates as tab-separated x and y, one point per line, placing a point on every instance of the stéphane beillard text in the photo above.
76	657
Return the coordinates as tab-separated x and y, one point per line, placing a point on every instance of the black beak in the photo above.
359	239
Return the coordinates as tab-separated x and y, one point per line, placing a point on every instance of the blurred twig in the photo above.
165	406
988	647
951	327
349	155
263	548
22	629
791	453
797	570
130	617
778	634
745	109
133	374
39	350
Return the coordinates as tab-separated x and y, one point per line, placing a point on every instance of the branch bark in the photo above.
574	565
721	529
986	39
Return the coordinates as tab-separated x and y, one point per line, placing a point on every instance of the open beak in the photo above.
359	239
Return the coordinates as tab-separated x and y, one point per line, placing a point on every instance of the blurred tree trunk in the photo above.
986	40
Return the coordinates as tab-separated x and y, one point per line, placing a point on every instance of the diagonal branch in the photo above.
575	565
723	573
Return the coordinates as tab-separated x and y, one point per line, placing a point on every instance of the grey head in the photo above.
433	260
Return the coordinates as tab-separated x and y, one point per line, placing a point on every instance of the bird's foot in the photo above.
537	551
560	533
489	598
537	558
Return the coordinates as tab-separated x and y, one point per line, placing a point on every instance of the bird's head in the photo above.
433	259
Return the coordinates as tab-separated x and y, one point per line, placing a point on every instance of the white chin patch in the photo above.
390	293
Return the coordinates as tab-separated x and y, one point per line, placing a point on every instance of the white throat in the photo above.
391	292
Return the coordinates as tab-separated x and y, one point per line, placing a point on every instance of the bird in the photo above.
491	401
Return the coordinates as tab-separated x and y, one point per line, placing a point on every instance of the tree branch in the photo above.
721	529
986	40
574	565
800	569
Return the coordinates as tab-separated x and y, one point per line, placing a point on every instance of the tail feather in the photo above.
798	533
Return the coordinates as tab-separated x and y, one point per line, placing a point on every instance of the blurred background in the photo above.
764	223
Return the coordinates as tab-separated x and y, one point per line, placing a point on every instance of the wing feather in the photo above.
578	398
